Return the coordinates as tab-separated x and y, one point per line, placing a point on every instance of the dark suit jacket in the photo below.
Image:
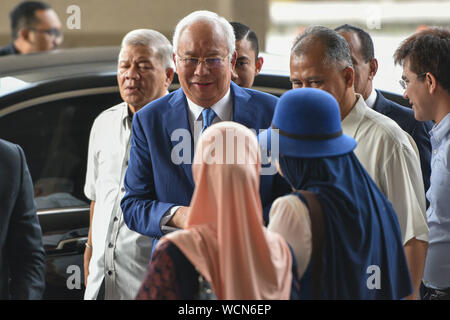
8	49
417	130
154	183
22	257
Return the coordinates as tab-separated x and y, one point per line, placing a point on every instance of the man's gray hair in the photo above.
337	51
210	17
153	39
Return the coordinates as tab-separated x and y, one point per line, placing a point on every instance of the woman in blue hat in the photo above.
357	251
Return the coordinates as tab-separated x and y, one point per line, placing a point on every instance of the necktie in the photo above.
208	117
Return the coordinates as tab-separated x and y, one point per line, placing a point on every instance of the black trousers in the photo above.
101	291
427	293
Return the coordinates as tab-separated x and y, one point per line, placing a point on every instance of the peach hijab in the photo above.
224	237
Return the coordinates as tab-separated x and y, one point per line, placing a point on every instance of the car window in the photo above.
55	137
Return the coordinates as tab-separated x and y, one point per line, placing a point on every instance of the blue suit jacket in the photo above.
22	264
417	130
154	183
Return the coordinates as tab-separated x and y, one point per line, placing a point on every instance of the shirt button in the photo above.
115	219
123	189
435	151
110	245
109	272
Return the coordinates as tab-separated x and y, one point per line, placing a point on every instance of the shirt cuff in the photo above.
166	218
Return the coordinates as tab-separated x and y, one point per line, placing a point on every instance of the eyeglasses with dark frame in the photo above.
404	84
210	62
54	33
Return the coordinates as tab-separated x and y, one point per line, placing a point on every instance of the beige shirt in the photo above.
290	218
119	255
391	158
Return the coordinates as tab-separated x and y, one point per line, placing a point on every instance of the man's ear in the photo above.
24	34
174	57
349	76
431	82
258	65
233	60
169	77
373	68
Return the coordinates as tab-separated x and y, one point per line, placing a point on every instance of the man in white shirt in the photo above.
365	66
116	258
320	58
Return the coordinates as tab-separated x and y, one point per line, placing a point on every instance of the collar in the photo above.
441	130
372	98
351	122
222	108
13	48
126	115
10	48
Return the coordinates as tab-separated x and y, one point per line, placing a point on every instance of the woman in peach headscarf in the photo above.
225	244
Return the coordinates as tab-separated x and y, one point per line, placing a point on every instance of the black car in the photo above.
48	103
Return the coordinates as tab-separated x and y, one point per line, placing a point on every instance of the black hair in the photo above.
336	48
23	16
428	51
367	49
241	31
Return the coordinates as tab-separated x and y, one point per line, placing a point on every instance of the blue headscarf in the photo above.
360	229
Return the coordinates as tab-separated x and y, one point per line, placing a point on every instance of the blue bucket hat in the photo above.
307	124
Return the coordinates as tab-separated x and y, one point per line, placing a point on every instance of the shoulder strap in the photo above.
316	216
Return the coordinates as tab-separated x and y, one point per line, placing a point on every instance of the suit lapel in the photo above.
177	118
243	113
381	105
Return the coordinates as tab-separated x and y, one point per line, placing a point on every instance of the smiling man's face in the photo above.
141	76
417	94
204	85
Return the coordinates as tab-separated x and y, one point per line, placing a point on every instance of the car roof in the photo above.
25	76
55	64
79	67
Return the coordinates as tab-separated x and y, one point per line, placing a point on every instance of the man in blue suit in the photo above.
366	66
159	182
22	263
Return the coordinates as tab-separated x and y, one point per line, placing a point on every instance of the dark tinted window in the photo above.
55	137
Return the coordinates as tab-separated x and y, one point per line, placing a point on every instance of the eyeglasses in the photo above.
404	83
54	33
210	62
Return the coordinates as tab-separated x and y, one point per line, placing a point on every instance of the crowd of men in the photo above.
141	190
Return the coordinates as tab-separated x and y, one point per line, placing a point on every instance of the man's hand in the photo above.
87	260
179	219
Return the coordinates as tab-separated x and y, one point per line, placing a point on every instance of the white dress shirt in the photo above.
391	158
224	112
222	108
119	255
372	98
